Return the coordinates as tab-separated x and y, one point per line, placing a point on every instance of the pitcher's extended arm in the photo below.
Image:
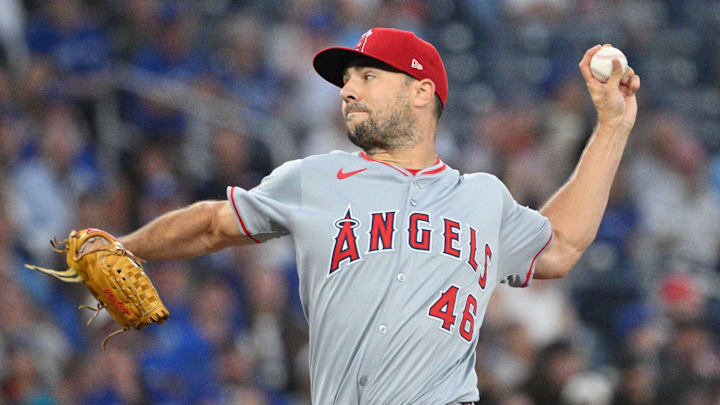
577	208
195	230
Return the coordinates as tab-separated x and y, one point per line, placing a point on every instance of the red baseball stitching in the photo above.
620	57
599	73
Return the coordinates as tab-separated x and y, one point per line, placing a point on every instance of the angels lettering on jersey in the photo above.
383	229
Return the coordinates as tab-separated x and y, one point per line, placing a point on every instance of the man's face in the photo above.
376	107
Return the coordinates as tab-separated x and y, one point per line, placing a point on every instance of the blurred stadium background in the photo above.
113	112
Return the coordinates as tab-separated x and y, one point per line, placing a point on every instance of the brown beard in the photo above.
395	132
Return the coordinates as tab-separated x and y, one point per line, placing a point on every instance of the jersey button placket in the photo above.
414	187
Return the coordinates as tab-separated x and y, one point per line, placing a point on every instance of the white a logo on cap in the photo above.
416	65
360	46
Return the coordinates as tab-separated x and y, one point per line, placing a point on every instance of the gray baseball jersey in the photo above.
396	270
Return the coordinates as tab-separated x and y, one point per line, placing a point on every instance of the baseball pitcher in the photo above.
397	252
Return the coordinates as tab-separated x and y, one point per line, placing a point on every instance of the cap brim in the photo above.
331	62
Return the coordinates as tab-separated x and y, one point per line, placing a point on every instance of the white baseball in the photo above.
601	62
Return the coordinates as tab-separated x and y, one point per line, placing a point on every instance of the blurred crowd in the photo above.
113	112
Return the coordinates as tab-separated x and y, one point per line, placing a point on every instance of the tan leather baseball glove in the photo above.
114	276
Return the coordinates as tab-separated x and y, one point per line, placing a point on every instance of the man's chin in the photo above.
352	126
352	136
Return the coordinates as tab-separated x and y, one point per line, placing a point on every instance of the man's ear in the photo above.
424	93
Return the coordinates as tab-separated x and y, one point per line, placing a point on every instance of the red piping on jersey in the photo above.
414	172
532	264
438	170
232	199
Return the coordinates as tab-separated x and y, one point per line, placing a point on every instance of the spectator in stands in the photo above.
71	36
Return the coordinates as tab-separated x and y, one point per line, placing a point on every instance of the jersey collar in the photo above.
438	167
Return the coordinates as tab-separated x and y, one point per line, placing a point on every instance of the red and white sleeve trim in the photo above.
231	194
531	270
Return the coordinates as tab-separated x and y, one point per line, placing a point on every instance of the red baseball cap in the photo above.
402	50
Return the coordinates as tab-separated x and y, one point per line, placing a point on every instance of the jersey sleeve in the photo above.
524	235
266	211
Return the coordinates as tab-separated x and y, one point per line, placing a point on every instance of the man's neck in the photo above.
417	157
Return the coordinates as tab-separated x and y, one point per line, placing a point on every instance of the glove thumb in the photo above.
617	73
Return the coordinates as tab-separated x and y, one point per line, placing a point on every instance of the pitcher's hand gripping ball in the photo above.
601	62
114	276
